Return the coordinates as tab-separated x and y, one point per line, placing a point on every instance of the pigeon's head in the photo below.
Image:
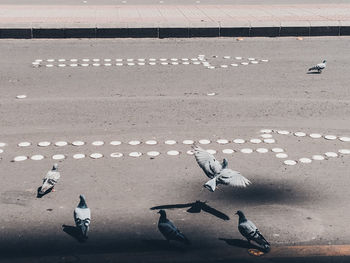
162	212
240	214
55	167
224	163
82	203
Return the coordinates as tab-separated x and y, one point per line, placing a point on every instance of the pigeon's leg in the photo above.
52	189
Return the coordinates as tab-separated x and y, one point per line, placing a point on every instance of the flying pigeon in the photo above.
319	67
251	232
216	171
169	230
50	180
82	217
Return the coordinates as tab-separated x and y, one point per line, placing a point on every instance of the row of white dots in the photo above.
311	135
266	138
38	157
318	157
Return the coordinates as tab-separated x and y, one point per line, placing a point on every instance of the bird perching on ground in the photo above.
216	171
169	230
50	180
82	217
319	67
251	232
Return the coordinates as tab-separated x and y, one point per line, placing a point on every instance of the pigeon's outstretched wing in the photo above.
251	233
233	178
207	161
171	232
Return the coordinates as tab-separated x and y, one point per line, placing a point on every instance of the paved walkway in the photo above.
178	20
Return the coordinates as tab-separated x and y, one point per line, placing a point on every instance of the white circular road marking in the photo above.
21	96
269	141
44	144
134	142
239	141
305	160
281	155
37	157
266	136
173	153
344	151
318	157
78	143
262	150
190	152
20	158
211	151
315	135
135	154
283	132
170	142
300	134
61	143
58	157
97	143
188	142
255	141
151	142
246	150
116	155
330	137
331	154
277	150
24	144
266	131
222	141
79	156
96	155
345	139
228	151
115	143
153	153
204	141
290	162
2	144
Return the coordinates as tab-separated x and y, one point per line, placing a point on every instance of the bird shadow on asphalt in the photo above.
239	243
262	193
73	232
313	72
195	207
38	195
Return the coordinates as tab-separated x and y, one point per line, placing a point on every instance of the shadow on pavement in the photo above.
73	232
195	207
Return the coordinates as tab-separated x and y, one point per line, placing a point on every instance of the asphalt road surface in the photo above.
91	99
169	2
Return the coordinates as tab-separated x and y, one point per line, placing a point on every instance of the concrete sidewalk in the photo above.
161	21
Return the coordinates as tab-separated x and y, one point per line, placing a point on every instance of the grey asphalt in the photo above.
306	204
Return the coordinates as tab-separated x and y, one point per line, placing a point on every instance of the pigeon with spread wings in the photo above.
216	171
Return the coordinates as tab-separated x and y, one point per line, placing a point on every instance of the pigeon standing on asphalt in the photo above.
251	232
319	67
216	171
50	180
169	230
82	217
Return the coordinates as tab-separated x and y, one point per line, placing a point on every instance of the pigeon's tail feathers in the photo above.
313	68
262	241
211	184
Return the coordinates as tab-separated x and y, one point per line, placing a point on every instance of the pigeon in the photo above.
50	180
82	217
169	230
216	171
251	232
319	67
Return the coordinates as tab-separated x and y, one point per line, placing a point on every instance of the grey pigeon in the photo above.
169	230
50	179
251	232
216	171
82	217
319	67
